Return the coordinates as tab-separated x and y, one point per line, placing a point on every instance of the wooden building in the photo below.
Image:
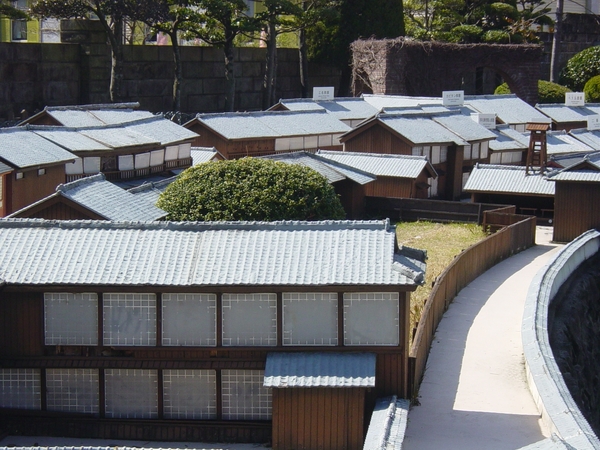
145	331
567	118
452	142
237	135
93	198
36	165
577	194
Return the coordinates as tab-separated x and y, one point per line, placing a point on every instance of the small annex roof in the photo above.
383	165
90	115
22	148
68	138
380	101
561	142
585	171
342	108
105	199
591	138
4	168
320	369
464	126
270	124
508	139
119	137
499	179
419	129
331	170
509	108
561	113
92	253
162	130
204	154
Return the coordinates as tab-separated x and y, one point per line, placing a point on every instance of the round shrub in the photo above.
465	34
580	68
592	90
250	189
547	92
496	37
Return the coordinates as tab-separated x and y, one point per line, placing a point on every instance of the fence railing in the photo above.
135	173
517	234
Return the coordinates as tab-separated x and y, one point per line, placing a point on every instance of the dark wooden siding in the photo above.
32	187
59	208
575	209
21	324
352	197
232	149
391	187
318	418
377	139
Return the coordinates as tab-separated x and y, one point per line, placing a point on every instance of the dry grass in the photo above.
443	242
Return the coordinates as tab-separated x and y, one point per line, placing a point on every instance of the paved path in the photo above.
474	393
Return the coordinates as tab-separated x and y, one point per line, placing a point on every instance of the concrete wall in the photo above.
77	71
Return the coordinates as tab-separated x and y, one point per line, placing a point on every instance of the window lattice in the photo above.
243	395
131	393
20	389
371	318
189	319
190	394
129	319
70	319
310	318
72	390
249	319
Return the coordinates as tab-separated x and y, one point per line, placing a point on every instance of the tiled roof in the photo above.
329	169
381	165
4	168
314	369
341	108
272	124
203	154
560	142
590	138
23	148
508	139
465	127
507	180
69	138
420	129
380	102
96	115
162	130
92	253
118	136
561	113
152	190
509	108
581	176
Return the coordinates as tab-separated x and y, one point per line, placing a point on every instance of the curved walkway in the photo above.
474	394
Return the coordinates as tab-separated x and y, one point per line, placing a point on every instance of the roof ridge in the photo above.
64	187
94	107
372	155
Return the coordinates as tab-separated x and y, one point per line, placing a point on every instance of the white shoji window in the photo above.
296	143
436	154
311	142
371	318
76	167
444	153
310	318
465	178
433	187
171	152
496	158
185	150
249	319
475	150
190	394
189	319
157	157
485	145
70	319
325	140
282	144
467	152
91	164
126	162
417	151
243	395
20	389
129	319
142	160
72	390
131	393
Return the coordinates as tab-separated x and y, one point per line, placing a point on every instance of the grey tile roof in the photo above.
117	136
91	253
329	169
96	115
69	138
421	130
162	130
561	113
316	369
507	180
581	176
341	108
508	139
381	165
388	424
203	154
465	127
380	102
560	142
4	168
509	108
23	148
152	190
589	138
272	124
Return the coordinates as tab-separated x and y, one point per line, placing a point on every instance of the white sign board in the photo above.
323	93
486	120
574	99
453	98
593	122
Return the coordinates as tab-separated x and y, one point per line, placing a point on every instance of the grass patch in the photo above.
443	243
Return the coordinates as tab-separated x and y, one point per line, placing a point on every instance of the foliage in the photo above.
580	68
465	34
250	189
592	90
8	10
497	37
547	92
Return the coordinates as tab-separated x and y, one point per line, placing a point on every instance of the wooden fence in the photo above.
516	233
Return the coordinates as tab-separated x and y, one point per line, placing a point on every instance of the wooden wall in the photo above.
21	325
33	187
377	139
391	187
59	208
231	149
318	418
575	209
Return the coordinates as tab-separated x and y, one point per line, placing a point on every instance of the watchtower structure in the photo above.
537	156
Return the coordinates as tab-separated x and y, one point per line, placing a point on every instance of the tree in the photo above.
8	10
580	68
110	13
250	189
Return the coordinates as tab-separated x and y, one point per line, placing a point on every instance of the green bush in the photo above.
497	37
465	34
250	189
547	92
592	90
580	68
